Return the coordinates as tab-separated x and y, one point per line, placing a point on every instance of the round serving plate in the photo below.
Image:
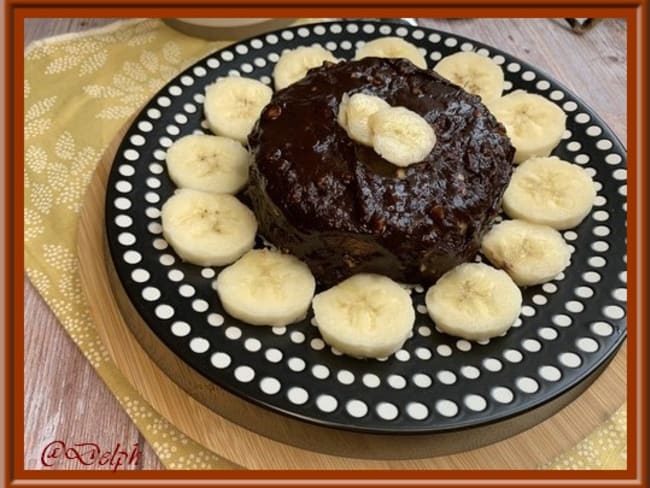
436	382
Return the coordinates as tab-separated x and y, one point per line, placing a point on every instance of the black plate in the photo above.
568	327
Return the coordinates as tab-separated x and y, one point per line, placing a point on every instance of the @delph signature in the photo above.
91	454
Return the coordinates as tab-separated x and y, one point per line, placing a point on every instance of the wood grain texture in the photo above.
40	28
592	65
65	399
256	438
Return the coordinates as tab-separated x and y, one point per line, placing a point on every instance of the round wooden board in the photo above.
256	438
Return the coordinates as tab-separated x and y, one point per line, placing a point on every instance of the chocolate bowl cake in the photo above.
343	209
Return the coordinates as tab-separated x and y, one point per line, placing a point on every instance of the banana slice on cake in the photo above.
474	301
208	229
550	191
354	112
530	253
534	124
208	163
391	47
401	136
294	64
365	316
475	73
233	105
266	288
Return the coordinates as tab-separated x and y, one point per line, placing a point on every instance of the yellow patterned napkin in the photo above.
79	91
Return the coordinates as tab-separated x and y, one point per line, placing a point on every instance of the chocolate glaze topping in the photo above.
343	209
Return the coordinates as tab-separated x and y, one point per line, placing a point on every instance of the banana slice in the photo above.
475	73
474	301
365	316
392	47
208	229
550	191
266	288
401	136
534	124
530	253
294	64
208	163
354	113
233	105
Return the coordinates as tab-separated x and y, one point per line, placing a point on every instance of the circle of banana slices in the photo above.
368	315
208	229
392	47
365	316
534	124
208	163
294	64
266	288
550	191
475	73
474	301
531	253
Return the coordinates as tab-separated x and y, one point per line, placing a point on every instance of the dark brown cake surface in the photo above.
343	209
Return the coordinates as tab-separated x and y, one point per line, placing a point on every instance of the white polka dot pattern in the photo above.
357	408
292	367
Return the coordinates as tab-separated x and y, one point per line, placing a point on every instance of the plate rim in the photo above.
397	430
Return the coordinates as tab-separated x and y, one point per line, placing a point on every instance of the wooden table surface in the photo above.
65	399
